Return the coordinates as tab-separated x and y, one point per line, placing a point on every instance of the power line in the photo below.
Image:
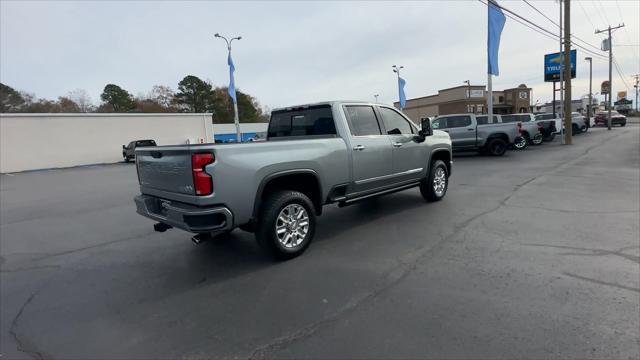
633	50
586	15
555	37
556	24
600	13
617	66
604	12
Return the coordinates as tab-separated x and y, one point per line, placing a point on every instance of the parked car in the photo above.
128	151
579	123
318	154
520	143
551	117
531	131
616	118
467	134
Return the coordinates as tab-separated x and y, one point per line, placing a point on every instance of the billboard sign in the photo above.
552	65
622	95
605	87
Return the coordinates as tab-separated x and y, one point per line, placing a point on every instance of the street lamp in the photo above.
396	70
590	60
376	97
232	86
468	94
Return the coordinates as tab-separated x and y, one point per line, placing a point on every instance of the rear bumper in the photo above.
184	216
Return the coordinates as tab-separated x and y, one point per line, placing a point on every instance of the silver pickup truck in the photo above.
474	133
332	152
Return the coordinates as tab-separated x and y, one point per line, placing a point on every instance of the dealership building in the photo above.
468	99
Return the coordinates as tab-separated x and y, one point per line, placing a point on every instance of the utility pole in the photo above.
567	72
562	130
637	77
610	45
590	60
468	94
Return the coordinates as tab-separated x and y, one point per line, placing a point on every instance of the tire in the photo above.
126	159
584	129
287	205
549	137
575	130
521	143
537	140
496	147
434	187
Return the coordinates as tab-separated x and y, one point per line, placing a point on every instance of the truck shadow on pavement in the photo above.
237	253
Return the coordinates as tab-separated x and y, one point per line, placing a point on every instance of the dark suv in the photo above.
129	151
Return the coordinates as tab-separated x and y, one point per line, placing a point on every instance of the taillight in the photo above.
201	180
519	126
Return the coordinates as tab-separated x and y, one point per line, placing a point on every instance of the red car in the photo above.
616	118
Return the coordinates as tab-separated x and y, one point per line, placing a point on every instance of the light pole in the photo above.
232	86
396	70
376	97
468	94
590	60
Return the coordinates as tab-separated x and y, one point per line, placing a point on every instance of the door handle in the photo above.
470	129
358	147
397	144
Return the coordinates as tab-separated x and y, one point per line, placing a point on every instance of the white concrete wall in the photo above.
40	141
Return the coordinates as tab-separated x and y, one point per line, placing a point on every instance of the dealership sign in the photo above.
605	87
552	66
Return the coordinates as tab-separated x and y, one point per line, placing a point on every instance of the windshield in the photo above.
302	122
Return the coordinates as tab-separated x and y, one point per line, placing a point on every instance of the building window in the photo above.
501	99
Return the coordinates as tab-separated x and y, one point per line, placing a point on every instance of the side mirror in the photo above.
426	129
124	147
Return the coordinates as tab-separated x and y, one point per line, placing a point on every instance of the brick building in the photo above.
468	99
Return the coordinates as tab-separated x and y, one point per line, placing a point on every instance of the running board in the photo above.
378	193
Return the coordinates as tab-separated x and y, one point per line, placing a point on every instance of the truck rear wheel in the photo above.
286	224
434	187
497	147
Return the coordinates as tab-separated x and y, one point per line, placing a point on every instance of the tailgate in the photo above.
166	168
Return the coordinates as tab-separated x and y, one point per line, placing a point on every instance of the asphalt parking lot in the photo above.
531	255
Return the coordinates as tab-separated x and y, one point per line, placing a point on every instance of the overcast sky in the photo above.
295	52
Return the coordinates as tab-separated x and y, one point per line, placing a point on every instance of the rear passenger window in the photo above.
394	122
458	121
509	118
311	121
362	120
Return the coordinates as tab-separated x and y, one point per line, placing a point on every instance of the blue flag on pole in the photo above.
496	24
401	96
232	84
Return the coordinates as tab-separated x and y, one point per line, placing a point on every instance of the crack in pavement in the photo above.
20	344
594	252
600	282
399	273
575	211
30	268
393	277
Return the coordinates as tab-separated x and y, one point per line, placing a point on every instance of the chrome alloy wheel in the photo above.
292	225
520	143
439	182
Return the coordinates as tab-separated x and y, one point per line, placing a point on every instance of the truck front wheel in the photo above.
434	187
286	224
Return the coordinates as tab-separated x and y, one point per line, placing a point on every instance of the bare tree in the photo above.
82	99
163	95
